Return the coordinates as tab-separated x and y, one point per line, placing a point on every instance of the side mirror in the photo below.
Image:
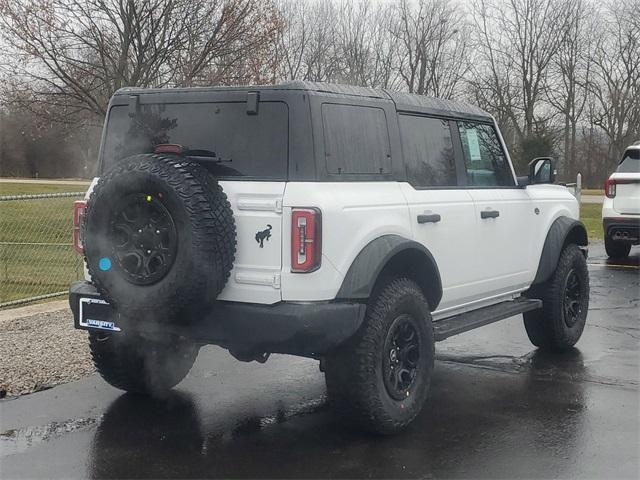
542	170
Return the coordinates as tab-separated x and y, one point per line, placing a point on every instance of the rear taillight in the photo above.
306	239
79	208
610	188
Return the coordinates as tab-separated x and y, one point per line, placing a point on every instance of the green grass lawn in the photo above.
36	255
34	188
592	191
591	216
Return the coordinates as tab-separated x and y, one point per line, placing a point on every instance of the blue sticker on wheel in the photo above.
104	264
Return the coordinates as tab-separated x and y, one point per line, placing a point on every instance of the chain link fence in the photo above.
37	259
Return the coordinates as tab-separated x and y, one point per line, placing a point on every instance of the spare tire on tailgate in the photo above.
160	235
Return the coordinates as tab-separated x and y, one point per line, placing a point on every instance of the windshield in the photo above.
630	162
253	146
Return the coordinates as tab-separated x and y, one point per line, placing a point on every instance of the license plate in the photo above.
96	313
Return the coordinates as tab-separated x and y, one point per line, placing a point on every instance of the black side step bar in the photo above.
464	322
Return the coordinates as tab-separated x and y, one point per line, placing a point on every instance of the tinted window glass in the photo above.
248	145
630	162
484	159
428	151
356	139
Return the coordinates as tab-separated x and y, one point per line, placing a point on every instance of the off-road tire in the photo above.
139	365
616	249
551	328
354	371
204	229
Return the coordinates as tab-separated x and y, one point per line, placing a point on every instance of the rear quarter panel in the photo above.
353	214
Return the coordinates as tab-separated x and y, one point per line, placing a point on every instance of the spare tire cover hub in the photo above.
143	238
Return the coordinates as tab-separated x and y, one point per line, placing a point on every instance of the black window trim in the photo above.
456	154
504	152
461	170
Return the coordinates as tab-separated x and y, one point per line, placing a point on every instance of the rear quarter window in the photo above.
356	140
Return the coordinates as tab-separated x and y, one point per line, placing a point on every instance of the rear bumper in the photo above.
623	229
309	329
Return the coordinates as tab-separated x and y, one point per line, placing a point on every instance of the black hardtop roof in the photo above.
408	102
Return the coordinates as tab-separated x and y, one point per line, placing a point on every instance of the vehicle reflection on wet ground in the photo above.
498	408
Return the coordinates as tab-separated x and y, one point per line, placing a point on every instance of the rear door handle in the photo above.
433	218
489	214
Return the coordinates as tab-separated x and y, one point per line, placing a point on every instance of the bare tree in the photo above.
366	46
556	74
340	41
433	40
567	84
78	52
308	45
616	77
293	39
517	41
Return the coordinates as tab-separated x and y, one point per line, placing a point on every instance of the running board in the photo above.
464	322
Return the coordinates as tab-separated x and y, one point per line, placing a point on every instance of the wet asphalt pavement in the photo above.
498	409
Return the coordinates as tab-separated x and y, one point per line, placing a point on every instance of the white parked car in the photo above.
621	207
351	225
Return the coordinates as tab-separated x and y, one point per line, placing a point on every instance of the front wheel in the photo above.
558	325
616	249
380	378
139	365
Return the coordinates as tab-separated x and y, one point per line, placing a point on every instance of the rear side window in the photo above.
484	158
254	146
356	139
428	151
630	162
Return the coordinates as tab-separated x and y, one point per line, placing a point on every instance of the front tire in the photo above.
139	365
380	378
559	324
616	249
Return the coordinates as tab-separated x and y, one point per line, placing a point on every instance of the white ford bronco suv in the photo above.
351	225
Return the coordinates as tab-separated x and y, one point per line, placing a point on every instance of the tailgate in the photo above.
257	208
627	199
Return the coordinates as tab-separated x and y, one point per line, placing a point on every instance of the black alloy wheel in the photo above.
401	357
572	303
143	238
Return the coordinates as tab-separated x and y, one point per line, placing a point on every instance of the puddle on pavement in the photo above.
18	440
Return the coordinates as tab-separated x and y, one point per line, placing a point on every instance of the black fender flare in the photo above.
363	273
563	230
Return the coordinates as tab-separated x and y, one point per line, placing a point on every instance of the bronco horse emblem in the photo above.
264	235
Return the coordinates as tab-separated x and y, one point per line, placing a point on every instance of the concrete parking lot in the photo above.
498	409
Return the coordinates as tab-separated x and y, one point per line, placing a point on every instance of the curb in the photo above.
14	313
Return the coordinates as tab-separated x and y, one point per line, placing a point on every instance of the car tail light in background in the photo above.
610	188
79	208
306	239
